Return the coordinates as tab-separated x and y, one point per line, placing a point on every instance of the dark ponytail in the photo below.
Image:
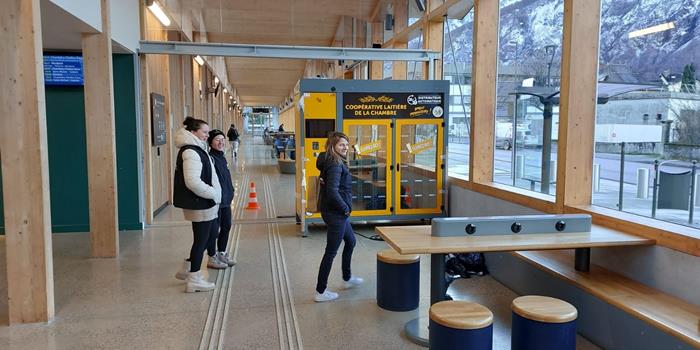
192	124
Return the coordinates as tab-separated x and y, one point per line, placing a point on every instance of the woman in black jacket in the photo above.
336	204
218	236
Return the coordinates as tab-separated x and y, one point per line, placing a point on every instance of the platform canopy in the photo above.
605	91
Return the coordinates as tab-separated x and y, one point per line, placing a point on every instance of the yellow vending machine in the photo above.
397	155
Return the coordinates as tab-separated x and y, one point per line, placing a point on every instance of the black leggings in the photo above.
200	231
218	234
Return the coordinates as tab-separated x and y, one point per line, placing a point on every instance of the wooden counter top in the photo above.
417	240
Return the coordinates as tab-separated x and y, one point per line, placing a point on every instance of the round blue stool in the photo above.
543	323
460	325
398	280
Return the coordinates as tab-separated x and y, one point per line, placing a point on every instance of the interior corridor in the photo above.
264	302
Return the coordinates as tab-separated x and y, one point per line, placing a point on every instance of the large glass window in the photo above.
457	68
415	11
648	109
415	69
527	105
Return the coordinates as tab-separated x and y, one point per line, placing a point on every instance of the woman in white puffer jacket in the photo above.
198	192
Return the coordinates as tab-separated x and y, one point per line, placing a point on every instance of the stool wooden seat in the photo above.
398	280
544	309
390	256
460	325
543	323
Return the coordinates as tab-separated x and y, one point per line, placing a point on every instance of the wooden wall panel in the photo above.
101	143
485	61
30	287
376	68
155	72
433	36
578	102
400	68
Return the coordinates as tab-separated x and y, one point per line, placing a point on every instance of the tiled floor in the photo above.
133	302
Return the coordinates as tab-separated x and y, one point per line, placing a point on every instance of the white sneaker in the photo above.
184	271
327	295
225	258
197	283
353	282
214	263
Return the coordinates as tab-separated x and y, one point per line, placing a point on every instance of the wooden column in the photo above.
176	116
25	164
376	68
433	36
400	68
577	112
484	63
101	147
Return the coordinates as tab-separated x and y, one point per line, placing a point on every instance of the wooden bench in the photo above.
667	313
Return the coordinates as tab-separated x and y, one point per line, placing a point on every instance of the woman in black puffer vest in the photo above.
198	192
218	236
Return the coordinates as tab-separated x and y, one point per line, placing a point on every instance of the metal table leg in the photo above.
583	259
417	329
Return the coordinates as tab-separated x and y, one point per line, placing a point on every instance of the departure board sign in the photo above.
63	70
393	105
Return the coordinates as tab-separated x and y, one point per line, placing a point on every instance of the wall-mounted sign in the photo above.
158	119
393	105
63	70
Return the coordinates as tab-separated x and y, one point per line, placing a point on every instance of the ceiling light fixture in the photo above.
199	60
651	30
158	12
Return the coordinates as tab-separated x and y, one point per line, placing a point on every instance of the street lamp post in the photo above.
550	50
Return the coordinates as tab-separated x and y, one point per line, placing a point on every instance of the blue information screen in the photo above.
63	70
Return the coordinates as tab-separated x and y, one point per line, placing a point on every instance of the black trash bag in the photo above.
466	265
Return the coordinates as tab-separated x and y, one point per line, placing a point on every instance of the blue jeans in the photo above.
339	229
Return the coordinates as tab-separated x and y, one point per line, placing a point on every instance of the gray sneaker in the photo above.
225	258
214	263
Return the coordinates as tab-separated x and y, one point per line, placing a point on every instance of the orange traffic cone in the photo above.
409	199
252	198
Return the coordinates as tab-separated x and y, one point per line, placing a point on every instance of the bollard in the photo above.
642	183
697	189
691	206
596	178
519	166
655	189
621	194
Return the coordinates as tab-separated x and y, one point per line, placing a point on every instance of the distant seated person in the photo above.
279	145
291	146
281	128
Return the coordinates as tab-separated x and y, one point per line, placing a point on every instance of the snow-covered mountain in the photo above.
528	26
